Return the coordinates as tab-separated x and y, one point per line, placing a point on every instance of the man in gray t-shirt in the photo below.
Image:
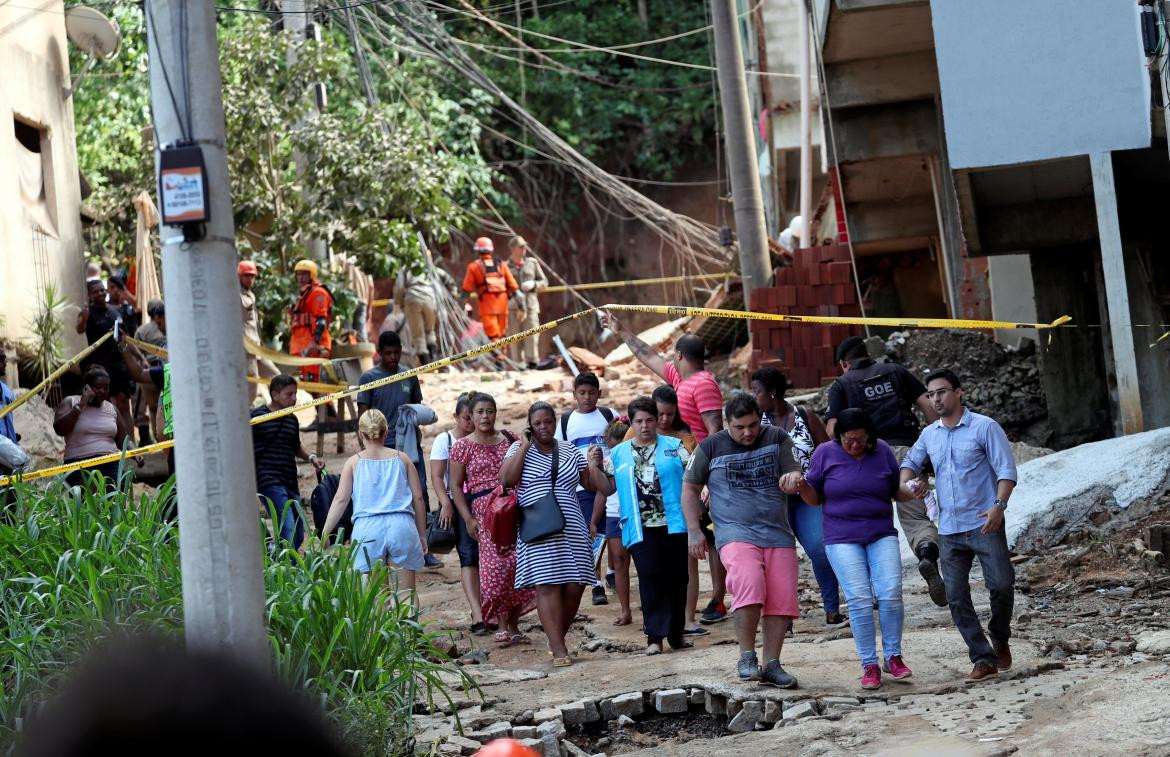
741	467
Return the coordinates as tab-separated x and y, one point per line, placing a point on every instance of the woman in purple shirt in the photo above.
854	479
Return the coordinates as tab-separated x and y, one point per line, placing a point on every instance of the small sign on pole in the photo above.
182	189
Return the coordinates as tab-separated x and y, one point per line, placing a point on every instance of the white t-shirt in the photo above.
613	508
441	450
584	431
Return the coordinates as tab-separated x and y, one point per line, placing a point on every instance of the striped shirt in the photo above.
697	394
275	445
563	558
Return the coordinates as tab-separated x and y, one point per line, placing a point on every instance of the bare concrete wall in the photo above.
1026	80
1072	365
1012	298
35	65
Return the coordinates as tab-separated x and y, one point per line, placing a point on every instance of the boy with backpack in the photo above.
585	428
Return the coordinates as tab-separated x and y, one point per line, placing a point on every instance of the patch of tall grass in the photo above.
79	567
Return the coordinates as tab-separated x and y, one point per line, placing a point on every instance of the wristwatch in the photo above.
1001	505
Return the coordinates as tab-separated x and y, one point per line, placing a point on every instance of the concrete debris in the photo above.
798	710
745	720
627	704
1154	642
465	745
773	711
661	337
545	715
669	701
580	713
1004	384
1057	493
715	704
553	728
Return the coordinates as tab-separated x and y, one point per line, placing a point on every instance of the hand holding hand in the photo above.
790	483
917	487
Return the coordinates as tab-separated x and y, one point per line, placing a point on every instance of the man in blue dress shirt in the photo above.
974	477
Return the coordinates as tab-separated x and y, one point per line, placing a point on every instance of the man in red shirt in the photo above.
700	405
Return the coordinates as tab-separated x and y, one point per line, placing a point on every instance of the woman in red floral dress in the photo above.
476	460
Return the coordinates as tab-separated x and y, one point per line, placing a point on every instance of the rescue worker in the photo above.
310	319
493	284
262	367
524	308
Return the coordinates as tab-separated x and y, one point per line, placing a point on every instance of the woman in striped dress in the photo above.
559	566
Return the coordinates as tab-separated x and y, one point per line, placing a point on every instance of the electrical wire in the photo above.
609	50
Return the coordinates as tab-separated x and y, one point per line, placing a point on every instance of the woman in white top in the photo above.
467	547
389	519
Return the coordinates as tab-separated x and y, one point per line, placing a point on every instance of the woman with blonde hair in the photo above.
389	519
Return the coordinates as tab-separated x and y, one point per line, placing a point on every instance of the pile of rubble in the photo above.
999	382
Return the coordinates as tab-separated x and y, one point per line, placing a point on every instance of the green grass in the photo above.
79	568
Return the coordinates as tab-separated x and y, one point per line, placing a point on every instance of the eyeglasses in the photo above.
860	439
938	393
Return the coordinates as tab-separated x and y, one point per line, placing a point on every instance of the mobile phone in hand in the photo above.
528	433
117	331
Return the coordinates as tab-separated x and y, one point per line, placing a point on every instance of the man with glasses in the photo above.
888	393
974	477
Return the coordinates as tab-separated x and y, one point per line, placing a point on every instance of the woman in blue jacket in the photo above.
647	472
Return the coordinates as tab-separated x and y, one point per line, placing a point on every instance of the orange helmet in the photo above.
484	244
247	266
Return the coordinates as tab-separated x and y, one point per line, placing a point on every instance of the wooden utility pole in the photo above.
219	531
746	195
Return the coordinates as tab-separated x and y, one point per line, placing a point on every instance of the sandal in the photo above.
695	631
501	637
479	629
654	648
684	644
562	662
519	638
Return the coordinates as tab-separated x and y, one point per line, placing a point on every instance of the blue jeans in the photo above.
999	575
289	526
808	523
867	571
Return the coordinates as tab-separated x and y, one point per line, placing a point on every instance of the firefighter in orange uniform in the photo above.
493	283
310	319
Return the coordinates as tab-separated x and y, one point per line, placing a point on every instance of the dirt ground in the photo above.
1079	682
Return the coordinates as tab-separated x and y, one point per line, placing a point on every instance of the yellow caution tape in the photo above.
309	386
915	323
53	376
281	358
668	310
1159	340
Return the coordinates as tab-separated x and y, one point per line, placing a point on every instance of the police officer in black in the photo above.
888	393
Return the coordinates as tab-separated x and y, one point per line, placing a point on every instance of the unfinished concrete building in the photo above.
1006	159
40	196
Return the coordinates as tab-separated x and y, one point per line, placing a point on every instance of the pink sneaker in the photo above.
896	668
872	677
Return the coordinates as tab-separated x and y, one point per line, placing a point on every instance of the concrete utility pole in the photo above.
748	199
295	17
219	532
805	130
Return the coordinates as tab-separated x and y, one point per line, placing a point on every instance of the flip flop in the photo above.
562	662
695	631
501	637
520	638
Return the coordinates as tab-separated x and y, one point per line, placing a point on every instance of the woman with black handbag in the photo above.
553	551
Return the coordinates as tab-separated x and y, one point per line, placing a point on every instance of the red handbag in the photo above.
499	518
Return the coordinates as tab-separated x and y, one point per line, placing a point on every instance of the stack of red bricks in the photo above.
819	282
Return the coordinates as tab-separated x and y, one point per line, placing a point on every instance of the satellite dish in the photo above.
97	35
90	30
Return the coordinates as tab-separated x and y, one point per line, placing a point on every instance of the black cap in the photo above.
849	346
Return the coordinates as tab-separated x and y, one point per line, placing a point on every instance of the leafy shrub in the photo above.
79	567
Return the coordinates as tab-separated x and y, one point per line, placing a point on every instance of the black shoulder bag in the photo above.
544	517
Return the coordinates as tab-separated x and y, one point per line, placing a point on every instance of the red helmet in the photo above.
484	244
247	267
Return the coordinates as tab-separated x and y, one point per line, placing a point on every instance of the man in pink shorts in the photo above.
741	467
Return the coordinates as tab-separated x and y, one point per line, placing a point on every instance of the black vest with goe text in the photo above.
880	390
